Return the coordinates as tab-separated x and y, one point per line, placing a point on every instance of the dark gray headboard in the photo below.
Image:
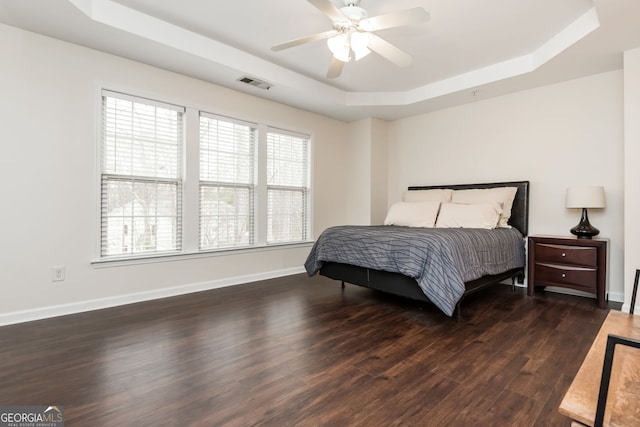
520	210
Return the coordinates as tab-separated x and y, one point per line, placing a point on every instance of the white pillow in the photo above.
418	214
502	195
482	215
435	195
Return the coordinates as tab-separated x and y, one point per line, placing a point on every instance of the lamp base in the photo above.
584	230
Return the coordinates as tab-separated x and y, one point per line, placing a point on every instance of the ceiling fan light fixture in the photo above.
343	44
339	46
360	40
359	44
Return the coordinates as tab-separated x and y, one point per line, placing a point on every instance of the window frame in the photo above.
250	185
305	188
139	177
190	188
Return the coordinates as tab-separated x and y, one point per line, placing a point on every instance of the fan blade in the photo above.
335	68
389	51
412	16
312	38
329	9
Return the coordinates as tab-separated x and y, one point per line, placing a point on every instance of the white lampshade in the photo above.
585	196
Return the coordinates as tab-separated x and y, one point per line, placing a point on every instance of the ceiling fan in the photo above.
352	36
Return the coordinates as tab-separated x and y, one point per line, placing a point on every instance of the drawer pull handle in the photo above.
564	275
563	254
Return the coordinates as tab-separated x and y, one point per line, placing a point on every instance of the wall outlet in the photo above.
57	273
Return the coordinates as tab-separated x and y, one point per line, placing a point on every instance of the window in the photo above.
176	180
287	187
141	176
227	188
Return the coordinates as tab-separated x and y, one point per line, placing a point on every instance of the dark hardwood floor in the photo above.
300	351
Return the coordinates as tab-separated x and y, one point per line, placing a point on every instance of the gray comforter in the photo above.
440	260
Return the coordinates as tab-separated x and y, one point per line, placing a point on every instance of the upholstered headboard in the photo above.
520	210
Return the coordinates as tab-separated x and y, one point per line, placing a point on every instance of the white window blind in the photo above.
287	186
141	174
227	182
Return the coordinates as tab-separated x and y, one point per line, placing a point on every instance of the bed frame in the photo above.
401	285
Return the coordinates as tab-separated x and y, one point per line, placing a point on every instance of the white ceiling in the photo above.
468	50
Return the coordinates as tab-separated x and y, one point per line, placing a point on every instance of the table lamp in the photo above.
585	197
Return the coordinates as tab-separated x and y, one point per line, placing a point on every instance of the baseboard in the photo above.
98	304
616	297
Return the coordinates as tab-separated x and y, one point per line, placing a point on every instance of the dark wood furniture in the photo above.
399	284
568	262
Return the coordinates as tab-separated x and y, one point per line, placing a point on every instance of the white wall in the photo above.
554	136
366	152
48	111
631	172
358	169
379	171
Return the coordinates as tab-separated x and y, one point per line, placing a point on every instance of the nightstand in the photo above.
568	262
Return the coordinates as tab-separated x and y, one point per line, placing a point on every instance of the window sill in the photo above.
170	257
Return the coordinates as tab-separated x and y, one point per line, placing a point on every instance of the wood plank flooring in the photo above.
300	351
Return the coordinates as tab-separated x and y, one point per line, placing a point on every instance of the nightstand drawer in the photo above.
567	255
553	275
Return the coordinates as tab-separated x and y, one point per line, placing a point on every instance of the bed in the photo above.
380	257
